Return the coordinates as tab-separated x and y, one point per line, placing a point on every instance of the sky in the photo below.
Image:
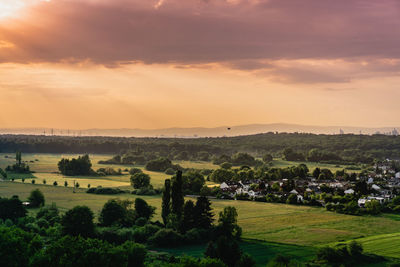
82	64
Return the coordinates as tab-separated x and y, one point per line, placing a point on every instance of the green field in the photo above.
299	225
278	228
279	163
45	167
262	252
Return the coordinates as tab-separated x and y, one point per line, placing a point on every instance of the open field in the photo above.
268	228
299	225
45	167
262	252
279	163
387	245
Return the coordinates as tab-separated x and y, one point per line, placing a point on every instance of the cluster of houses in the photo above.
384	184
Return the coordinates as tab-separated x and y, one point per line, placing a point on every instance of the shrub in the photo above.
134	171
140	180
355	249
36	198
159	165
226	165
78	221
166	238
105	191
170	171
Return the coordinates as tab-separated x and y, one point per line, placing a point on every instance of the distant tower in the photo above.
395	132
341	131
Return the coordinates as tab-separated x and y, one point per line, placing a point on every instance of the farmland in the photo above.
268	228
45	167
289	224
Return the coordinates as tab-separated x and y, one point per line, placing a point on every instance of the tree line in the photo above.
342	148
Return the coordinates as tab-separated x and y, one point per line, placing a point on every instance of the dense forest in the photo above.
349	147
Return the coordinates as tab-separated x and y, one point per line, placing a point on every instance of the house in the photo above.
349	191
294	192
375	187
370	180
224	186
361	202
397	175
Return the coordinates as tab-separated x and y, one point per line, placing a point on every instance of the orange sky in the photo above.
126	64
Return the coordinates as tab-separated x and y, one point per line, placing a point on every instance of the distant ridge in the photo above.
206	132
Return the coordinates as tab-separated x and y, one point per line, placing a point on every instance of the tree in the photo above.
78	251
133	171
3	173
140	180
192	182
177	194
292	199
159	165
316	173
11	208
228	222
189	218
267	158
355	249
80	166
222	175
291	155
166	201
17	247
36	198
226	165
225	249
143	210
78	221
243	159
373	207
18	157
112	213
50	214
203	213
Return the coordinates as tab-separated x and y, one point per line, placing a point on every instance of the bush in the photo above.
112	213
166	238
226	165
78	221
134	171
159	165
36	198
105	191
50	214
170	171
140	180
146	191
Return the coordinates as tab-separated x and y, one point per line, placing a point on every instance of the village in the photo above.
375	188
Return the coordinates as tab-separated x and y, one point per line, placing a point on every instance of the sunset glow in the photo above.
9	8
151	64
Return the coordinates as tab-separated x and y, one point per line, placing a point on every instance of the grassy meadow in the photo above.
268	228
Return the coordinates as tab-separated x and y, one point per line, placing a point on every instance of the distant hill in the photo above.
206	132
